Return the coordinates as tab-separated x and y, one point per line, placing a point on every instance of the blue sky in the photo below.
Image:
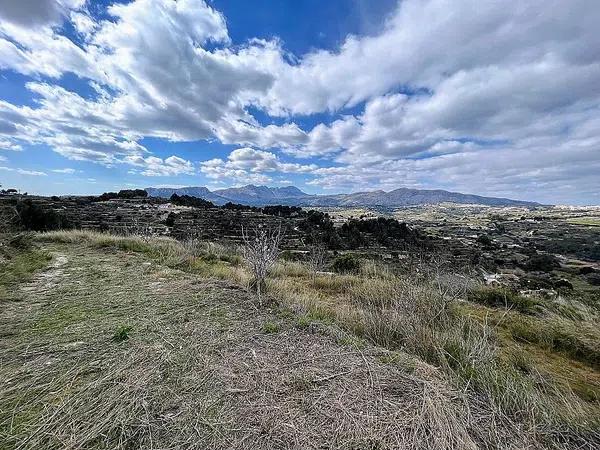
335	96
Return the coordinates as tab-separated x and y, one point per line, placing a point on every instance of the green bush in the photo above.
33	217
542	263
346	264
502	297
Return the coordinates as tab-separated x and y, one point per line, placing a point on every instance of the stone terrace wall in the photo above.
150	216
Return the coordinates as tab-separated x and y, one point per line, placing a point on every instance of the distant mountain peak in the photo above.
291	195
265	192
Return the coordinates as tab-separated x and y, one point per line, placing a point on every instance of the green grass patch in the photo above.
555	337
503	298
18	266
122	333
271	327
589	221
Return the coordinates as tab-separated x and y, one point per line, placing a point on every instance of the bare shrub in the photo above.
140	229
317	256
260	251
9	218
192	243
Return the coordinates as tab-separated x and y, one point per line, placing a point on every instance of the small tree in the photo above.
261	250
316	259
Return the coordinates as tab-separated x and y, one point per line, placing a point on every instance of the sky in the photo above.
331	96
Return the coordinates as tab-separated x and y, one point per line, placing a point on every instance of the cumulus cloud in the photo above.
155	167
37	12
250	165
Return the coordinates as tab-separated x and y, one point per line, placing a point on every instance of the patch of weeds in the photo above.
234	260
319	314
270	327
352	341
303	322
333	285
122	333
501	297
521	361
19	267
285	313
569	311
554	337
346	264
458	358
209	258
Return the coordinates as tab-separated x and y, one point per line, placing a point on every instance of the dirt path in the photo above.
196	365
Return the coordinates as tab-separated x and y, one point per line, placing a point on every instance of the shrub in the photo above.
261	250
587	269
107	196
188	200
132	193
484	240
563	284
34	217
502	297
542	263
170	220
346	264
593	279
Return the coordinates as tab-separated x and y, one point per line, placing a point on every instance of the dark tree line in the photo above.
34	217
188	200
123	193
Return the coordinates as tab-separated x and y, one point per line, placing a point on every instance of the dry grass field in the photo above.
134	342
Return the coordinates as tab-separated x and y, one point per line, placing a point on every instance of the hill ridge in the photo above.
291	195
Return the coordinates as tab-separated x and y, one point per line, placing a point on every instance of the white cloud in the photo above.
6	144
83	23
66	171
24	171
37	12
153	166
250	165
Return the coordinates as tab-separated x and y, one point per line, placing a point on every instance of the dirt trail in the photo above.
197	365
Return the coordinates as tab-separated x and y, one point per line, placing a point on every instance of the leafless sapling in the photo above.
260	251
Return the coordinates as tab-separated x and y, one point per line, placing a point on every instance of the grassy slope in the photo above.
108	349
123	290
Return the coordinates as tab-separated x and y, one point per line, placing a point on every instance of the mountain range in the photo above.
290	195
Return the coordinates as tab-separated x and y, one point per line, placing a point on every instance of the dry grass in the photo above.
197	370
490	401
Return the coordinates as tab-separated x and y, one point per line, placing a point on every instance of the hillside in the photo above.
125	342
264	195
109	349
